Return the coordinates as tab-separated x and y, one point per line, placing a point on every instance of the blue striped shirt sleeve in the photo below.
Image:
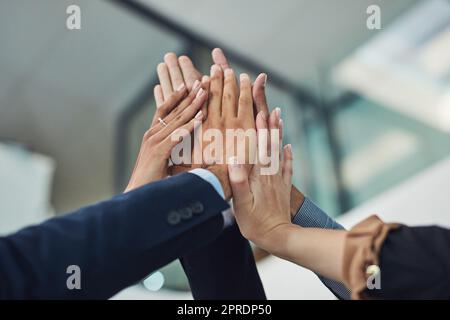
311	216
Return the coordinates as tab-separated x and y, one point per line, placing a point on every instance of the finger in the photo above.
171	110
184	117
159	96
274	119
176	76
274	123
245	109
215	92
174	112
164	79
281	127
190	73
263	135
205	86
181	133
230	95
240	186
165	108
219	58
287	165
259	94
173	101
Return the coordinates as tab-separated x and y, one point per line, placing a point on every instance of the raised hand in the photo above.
230	112
229	129
260	104
177	115
261	202
173	67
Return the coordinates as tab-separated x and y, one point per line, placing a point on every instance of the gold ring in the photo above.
162	122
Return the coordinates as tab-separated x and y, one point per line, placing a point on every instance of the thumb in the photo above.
242	195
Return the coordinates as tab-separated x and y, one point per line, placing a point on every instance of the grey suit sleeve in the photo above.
311	216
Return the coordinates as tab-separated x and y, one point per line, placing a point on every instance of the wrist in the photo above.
281	242
275	240
221	172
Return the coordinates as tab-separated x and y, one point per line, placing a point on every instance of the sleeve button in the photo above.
173	218
186	213
197	207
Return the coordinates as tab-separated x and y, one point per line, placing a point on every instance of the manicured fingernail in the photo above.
200	92
243	77
205	78
265	79
278	112
229	72
195	85
181	87
199	115
280	123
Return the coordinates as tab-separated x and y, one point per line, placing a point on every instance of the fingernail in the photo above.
289	148
243	76
195	85
205	78
280	123
181	87
233	162
199	115
264	115
278	112
200	92
214	69
265	79
229	72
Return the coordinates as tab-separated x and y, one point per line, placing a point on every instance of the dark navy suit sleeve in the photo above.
224	269
115	243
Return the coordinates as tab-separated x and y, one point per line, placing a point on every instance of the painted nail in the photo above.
181	87
199	115
200	92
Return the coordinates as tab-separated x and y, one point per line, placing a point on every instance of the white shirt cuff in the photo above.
208	176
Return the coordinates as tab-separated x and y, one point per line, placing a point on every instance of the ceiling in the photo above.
301	39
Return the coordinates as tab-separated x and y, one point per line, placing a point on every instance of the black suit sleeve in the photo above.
115	243
224	269
415	264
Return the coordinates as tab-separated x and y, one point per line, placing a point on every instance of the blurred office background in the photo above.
364	109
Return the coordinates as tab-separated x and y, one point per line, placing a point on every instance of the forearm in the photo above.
124	239
320	250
